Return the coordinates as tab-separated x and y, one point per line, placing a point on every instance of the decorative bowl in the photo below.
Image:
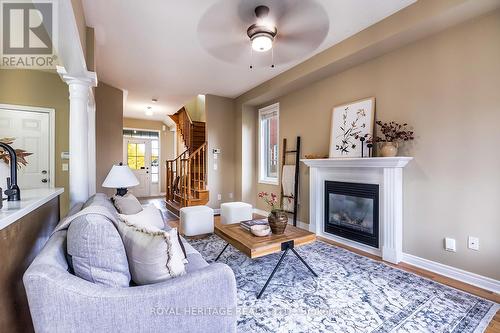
260	230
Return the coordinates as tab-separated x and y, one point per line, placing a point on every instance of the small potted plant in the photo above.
278	219
392	135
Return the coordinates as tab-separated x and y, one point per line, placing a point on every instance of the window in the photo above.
140	134
136	155
268	144
155	161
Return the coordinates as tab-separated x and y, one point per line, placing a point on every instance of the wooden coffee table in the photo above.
255	247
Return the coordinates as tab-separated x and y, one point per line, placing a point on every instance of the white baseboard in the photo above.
454	273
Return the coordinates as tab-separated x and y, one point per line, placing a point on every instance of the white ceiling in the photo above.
151	49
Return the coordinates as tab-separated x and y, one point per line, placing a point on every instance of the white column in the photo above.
392	233
79	89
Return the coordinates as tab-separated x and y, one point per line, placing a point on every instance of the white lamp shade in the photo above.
120	176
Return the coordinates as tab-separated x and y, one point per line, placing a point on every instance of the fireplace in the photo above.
352	211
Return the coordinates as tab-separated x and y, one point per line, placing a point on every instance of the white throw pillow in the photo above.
154	255
127	204
149	216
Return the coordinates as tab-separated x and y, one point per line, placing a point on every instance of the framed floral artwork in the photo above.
350	122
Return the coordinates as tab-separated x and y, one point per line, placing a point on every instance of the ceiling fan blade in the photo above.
302	26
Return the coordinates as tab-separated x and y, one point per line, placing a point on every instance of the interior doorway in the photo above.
141	152
33	129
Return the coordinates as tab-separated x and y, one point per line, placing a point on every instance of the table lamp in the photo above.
120	177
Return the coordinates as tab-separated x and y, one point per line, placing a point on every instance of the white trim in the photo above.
358	162
263	179
454	273
52	134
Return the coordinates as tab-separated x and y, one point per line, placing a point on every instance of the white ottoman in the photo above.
234	212
197	220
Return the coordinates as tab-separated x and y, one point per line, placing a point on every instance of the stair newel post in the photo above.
202	167
184	174
198	169
168	181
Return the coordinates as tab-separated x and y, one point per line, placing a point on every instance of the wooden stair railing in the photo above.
174	168
191	132
186	176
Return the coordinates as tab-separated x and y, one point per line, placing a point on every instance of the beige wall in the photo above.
42	89
196	108
446	87
166	142
220	134
109	131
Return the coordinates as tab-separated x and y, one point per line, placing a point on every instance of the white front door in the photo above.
138	157
31	131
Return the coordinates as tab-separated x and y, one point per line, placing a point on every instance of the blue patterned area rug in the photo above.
352	294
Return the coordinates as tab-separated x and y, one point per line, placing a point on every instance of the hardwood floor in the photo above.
494	325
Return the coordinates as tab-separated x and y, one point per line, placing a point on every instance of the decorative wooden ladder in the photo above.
187	174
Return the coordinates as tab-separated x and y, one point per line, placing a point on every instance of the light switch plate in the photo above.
450	244
473	243
219	197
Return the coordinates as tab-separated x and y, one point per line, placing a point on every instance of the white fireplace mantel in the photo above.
387	172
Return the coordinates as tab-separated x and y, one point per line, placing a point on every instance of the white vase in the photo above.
4	173
389	149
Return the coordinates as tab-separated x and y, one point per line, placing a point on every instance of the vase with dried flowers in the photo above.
5	160
278	219
393	134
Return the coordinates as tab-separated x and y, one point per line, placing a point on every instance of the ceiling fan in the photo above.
243	31
262	32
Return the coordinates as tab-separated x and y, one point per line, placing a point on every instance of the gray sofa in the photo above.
203	300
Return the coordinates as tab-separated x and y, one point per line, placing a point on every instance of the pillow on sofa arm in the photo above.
127	204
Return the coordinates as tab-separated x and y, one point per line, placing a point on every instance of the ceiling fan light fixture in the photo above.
262	42
263	32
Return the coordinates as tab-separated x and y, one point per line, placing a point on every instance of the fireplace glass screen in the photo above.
351	211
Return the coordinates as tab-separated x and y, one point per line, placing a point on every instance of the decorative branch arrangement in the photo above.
20	153
394	132
272	200
349	134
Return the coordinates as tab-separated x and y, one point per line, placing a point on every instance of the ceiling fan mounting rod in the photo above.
261	11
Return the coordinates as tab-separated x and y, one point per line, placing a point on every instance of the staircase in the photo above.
186	174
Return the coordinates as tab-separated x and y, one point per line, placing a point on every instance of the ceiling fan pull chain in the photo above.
251	56
272	57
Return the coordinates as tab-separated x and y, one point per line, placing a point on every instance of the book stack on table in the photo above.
246	225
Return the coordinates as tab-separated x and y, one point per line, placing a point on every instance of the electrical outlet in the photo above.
65	167
231	195
215	166
219	197
473	243
450	244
